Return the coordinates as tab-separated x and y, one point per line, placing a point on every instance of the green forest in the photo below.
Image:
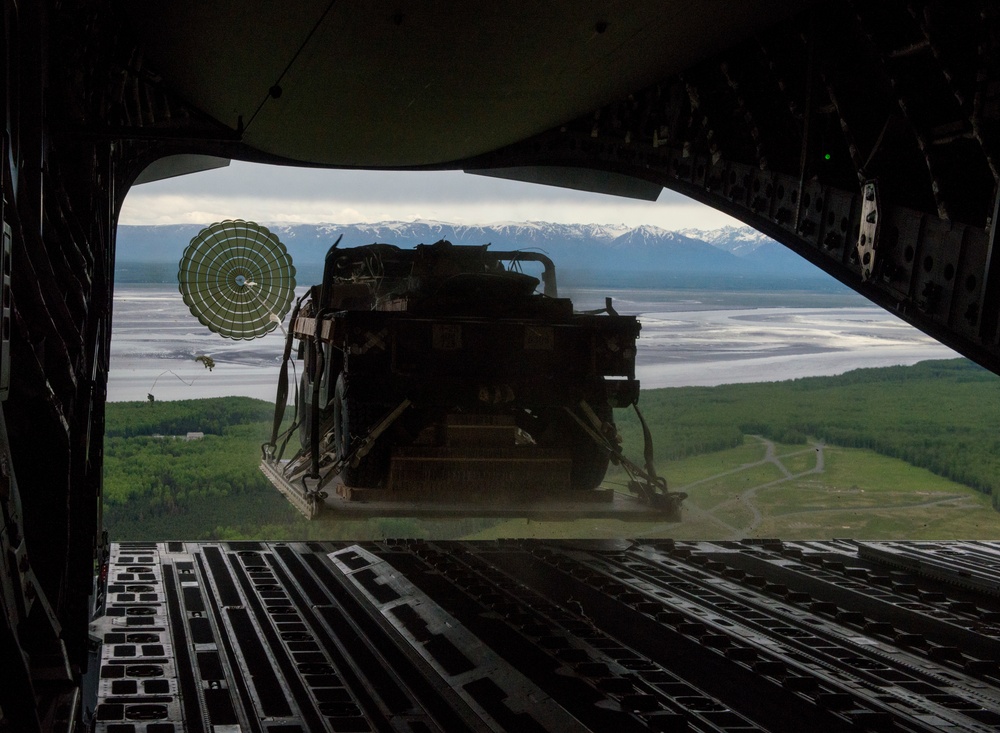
159	484
942	415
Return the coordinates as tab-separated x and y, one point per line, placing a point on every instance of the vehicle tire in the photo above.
355	412
590	461
557	429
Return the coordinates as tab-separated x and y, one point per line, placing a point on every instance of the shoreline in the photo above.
705	338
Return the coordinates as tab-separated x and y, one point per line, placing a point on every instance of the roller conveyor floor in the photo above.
759	635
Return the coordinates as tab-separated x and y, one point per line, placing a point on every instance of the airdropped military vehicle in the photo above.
446	380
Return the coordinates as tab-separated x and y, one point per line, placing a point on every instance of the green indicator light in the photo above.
826	157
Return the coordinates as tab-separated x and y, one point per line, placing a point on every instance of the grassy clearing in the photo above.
687	470
735	513
859	479
848	468
859	494
710	493
797	459
969	519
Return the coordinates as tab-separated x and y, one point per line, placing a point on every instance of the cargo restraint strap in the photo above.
650	487
318	358
353	458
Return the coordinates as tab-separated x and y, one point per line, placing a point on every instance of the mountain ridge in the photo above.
646	249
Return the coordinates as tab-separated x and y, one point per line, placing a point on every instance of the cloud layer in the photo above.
281	194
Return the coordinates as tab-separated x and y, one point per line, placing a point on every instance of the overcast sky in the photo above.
269	194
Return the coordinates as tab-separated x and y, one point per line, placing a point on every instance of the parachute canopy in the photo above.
237	278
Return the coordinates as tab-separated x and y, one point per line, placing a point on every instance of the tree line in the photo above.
211	416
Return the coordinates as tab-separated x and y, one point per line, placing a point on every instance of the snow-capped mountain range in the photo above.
740	241
729	251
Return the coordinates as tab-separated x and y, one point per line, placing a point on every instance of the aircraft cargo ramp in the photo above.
759	635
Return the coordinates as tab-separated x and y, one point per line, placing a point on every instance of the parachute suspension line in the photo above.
647	446
286	436
651	486
318	359
281	398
